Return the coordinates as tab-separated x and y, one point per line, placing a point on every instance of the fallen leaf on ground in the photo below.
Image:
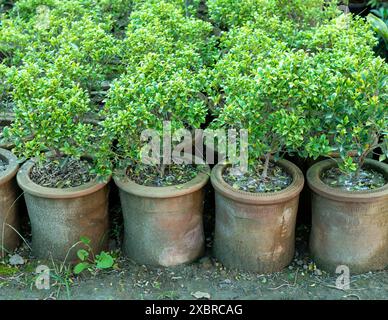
16	260
201	295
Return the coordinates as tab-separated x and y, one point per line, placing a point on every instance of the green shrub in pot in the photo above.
163	28
61	32
4	87
162	202
190	7
349	192
229	13
264	90
349	116
114	11
13	40
64	198
157	92
268	103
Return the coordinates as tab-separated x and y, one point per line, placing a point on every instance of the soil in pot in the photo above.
9	206
163	223
365	179
62	173
173	174
252	181
255	231
350	219
64	203
3	165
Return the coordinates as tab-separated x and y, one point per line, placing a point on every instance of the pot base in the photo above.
163	225
60	217
256	232
348	228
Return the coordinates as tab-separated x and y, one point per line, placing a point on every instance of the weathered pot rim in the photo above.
284	195
318	186
27	185
12	168
131	187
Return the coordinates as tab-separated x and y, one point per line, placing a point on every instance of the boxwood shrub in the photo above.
299	75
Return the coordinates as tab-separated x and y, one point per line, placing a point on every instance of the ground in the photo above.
301	280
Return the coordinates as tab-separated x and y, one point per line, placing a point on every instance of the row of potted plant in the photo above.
301	80
52	78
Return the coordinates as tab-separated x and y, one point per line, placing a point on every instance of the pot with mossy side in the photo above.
163	226
349	227
61	216
9	222
256	231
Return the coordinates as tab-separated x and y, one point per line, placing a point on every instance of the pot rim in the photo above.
12	168
27	185
296	186
318	186
131	187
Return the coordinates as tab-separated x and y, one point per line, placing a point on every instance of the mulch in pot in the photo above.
62	173
174	174
367	179
3	165
251	181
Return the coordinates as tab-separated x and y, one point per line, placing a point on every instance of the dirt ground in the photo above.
205	277
301	280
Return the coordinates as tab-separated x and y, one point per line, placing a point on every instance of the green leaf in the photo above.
82	254
85	240
81	267
104	261
379	27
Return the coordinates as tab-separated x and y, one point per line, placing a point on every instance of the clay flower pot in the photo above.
163	225
348	228
60	217
256	231
9	222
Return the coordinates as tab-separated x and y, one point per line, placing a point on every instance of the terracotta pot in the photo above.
256	231
60	217
163	225
9	220
348	228
305	198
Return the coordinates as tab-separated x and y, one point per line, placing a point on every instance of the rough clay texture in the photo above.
9	206
9	192
351	233
163	232
254	235
58	224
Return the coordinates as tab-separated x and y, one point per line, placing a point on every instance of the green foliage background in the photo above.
301	76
